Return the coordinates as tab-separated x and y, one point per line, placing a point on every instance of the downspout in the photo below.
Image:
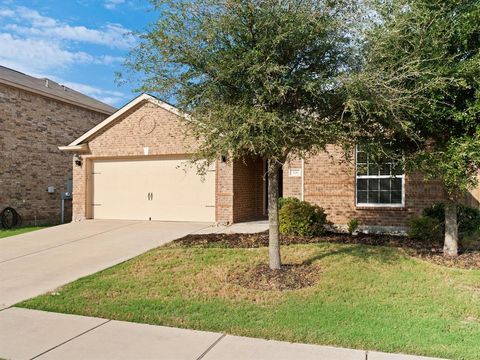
303	181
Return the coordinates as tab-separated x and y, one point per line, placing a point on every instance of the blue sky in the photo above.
78	43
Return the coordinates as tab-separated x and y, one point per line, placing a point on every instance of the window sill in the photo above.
381	207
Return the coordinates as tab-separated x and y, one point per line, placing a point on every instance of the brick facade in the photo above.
240	185
128	137
224	193
329	181
31	128
472	198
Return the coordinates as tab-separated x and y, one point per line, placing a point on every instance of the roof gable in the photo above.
118	114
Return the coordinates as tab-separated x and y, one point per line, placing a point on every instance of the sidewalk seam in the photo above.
67	243
211	347
68	340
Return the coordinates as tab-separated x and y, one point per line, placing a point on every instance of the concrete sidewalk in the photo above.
31	334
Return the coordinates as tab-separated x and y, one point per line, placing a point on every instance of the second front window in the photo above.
378	184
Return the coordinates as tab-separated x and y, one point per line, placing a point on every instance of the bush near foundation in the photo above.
431	225
301	218
425	229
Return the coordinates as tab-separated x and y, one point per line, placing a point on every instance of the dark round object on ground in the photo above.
10	218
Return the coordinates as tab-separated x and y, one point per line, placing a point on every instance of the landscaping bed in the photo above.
425	251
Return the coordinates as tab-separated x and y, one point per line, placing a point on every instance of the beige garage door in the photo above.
152	190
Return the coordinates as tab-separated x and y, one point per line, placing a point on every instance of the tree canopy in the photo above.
258	77
272	78
417	94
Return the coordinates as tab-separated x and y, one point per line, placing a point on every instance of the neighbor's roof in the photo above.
77	144
51	89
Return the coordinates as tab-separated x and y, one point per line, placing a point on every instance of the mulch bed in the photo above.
428	252
289	277
248	241
468	260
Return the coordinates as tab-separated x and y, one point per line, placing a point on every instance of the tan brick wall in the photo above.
146	126
330	183
31	128
163	132
292	186
224	193
473	196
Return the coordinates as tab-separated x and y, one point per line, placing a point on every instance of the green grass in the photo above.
6	233
374	298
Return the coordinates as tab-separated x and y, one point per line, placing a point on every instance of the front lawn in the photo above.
6	233
366	297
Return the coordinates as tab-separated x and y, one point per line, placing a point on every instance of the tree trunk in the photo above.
450	247
273	234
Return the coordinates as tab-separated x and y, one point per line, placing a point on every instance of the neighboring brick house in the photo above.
131	167
36	115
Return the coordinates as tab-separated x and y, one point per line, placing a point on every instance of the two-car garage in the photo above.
164	189
135	165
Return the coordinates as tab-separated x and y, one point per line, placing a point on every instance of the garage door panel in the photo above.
177	193
119	191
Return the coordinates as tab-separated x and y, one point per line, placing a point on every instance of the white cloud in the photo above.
34	17
108	59
42	46
41	55
112	4
29	22
114	98
38	54
6	13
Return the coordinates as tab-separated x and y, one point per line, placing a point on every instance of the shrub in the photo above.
436	211
289	200
468	218
301	218
471	241
426	229
352	226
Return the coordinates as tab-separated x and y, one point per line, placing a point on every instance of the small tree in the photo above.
259	78
417	96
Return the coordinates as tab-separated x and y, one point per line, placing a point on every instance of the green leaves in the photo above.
259	77
417	93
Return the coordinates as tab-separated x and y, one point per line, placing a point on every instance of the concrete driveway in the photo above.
37	262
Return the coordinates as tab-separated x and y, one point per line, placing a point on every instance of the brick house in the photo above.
35	116
131	167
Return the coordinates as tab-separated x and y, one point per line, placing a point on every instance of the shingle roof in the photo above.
50	88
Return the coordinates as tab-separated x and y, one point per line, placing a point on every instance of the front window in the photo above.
378	184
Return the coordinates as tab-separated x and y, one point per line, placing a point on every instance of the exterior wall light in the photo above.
77	159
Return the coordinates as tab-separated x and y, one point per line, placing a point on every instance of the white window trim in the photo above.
379	205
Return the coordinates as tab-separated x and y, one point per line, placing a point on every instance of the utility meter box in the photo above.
51	189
